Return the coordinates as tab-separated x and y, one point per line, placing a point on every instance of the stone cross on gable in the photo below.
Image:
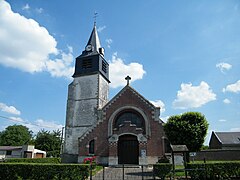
128	78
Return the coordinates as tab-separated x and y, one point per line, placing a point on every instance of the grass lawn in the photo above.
179	170
96	170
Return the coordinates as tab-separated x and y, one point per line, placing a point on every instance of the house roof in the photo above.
179	148
228	137
7	148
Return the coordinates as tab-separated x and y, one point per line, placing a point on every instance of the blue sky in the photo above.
181	55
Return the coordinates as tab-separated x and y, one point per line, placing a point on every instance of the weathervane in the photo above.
95	17
128	78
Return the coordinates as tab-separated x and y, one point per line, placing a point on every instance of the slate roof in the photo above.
6	148
94	40
228	137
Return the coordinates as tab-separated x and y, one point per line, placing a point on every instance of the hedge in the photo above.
34	171
34	160
162	169
221	170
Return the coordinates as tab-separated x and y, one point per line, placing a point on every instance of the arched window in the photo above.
91	147
132	116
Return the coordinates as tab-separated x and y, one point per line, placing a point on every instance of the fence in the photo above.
124	172
130	172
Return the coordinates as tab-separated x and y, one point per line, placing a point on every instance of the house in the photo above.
225	140
223	146
124	130
25	151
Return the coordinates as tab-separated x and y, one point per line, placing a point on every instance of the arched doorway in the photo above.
128	149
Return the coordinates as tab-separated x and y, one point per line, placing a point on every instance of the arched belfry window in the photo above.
91	147
129	115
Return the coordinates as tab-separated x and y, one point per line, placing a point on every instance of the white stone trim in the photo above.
113	138
113	160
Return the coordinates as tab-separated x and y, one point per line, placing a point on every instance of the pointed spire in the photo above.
94	40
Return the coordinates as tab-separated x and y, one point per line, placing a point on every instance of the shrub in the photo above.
34	171
163	159
34	160
217	170
162	170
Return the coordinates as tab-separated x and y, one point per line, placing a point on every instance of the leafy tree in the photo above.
189	128
49	141
204	147
15	135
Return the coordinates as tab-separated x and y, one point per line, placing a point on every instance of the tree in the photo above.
189	128
16	135
49	141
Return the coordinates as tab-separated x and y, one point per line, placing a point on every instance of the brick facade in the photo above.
106	136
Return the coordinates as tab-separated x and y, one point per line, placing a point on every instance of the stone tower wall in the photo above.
86	94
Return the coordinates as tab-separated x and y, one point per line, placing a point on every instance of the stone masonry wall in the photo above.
85	95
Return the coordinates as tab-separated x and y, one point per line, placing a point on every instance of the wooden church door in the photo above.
128	150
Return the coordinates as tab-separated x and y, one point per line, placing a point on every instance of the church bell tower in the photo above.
86	95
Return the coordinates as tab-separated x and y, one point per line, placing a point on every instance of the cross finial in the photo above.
128	78
95	17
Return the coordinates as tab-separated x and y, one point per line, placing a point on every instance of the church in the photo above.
123	130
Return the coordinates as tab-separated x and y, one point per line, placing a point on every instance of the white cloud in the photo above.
61	67
235	87
39	10
159	103
224	66
40	124
9	109
222	120
30	43
101	28
27	46
48	124
109	42
119	70
26	7
17	119
226	101
35	126
193	96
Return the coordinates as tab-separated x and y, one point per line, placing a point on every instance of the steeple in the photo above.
94	40
92	61
86	95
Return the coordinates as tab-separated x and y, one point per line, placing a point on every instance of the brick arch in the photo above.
119	110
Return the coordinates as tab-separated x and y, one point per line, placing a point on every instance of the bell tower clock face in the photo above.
88	47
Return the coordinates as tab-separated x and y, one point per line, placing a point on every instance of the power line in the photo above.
4	117
24	122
